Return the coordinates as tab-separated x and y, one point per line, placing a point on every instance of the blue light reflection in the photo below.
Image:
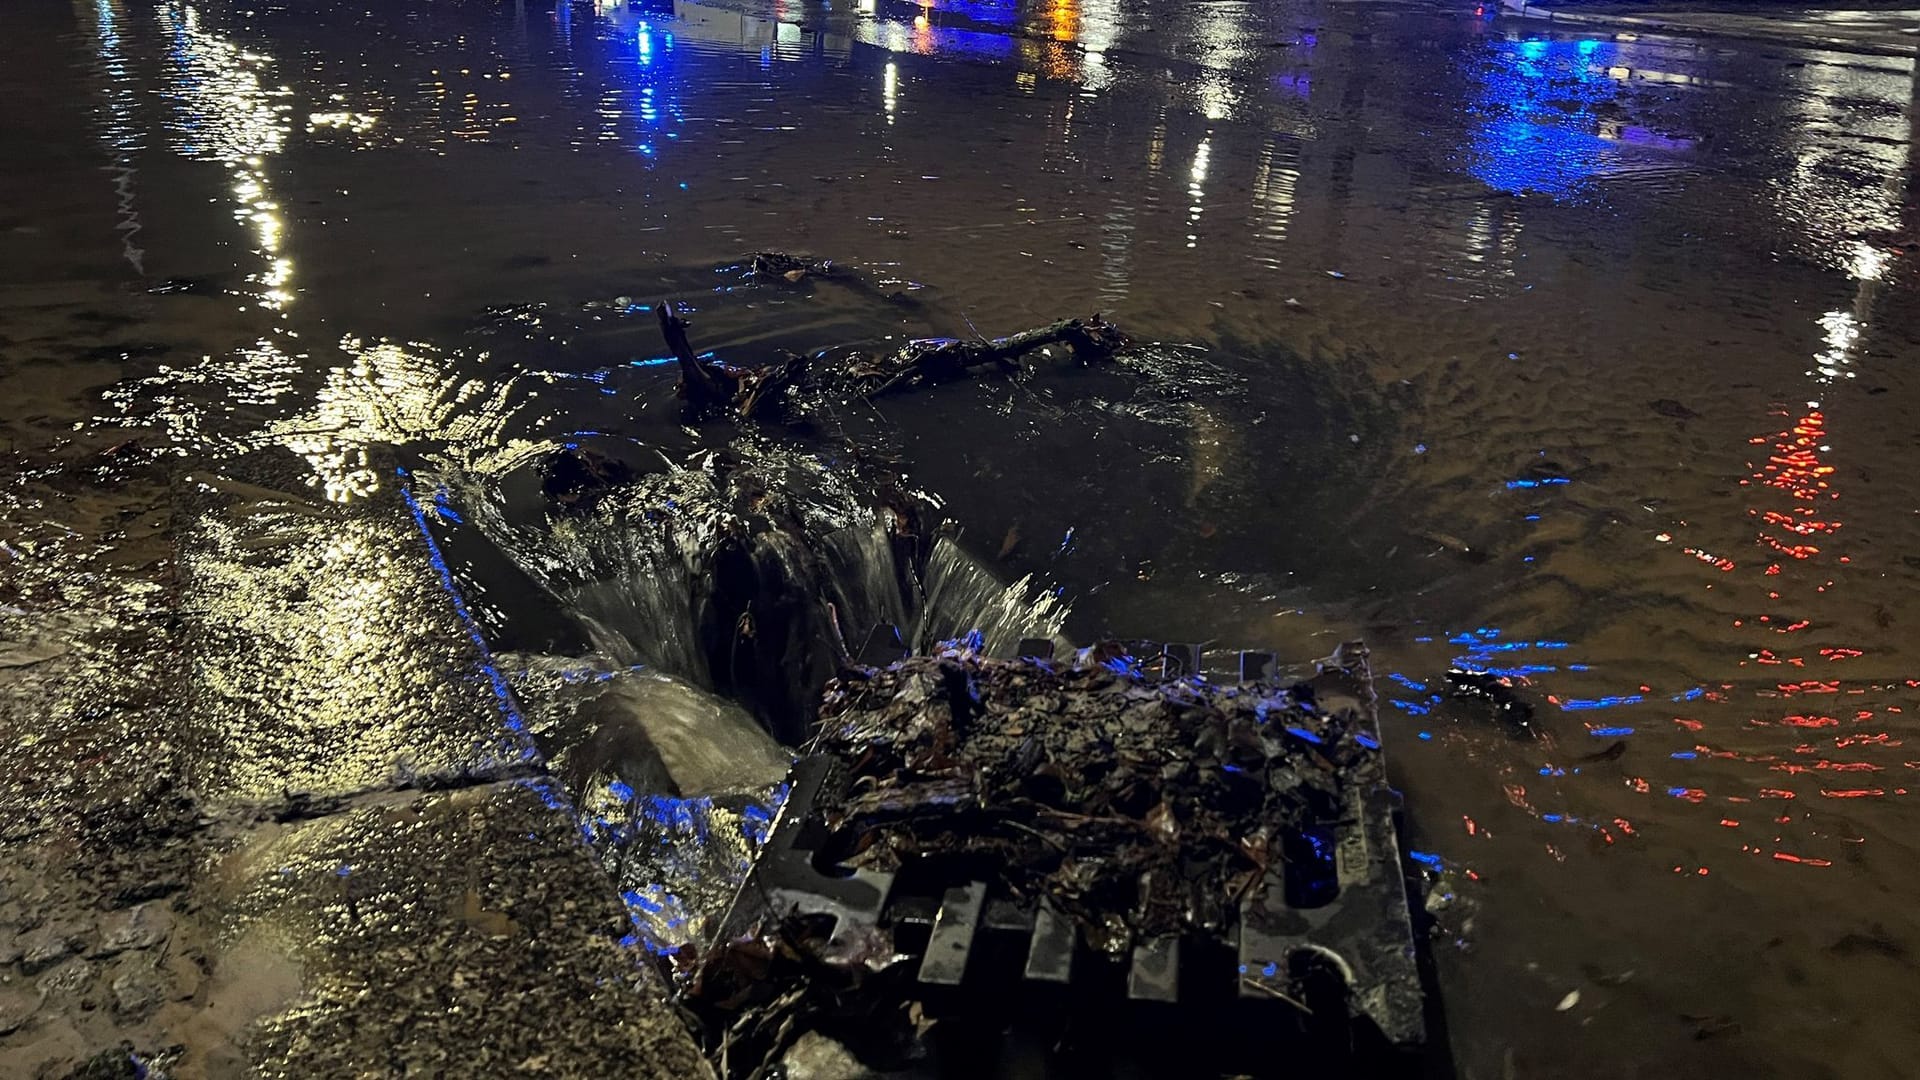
1545	119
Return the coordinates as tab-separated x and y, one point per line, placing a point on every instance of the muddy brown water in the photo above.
1582	356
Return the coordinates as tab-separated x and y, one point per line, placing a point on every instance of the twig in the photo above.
1036	834
698	382
1258	985
841	653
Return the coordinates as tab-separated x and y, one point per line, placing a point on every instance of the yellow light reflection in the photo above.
331	635
227	114
396	394
1064	19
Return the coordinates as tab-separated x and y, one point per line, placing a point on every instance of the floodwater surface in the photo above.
1582	358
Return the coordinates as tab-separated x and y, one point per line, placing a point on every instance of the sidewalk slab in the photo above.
266	813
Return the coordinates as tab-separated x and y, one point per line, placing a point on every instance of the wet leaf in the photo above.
1673	409
1713	1027
1611	753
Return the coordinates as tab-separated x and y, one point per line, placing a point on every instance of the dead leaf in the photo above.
1011	543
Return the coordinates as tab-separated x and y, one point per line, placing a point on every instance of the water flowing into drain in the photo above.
675	786
683	587
755	580
962	596
863	566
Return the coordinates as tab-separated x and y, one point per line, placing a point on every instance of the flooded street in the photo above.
1574	354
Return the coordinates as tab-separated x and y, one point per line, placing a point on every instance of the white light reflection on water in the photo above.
1842	333
1196	189
1116	250
1274	182
1849	178
1222	36
117	126
352	122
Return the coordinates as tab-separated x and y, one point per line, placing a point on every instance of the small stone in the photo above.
42	949
118	1063
139	987
141	928
141	891
1568	1002
16	1008
67	979
186	975
816	1057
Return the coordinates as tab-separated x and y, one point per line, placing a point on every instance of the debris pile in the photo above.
1130	805
1142	808
792	269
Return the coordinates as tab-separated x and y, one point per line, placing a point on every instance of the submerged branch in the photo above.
922	363
702	384
752	392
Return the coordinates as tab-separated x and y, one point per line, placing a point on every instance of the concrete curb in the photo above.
1678	26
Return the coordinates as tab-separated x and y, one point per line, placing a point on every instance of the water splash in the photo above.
602	724
866	577
634	569
963	596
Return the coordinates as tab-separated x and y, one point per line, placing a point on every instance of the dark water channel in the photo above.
1583	357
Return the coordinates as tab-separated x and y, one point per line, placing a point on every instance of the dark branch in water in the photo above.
702	384
790	268
752	391
760	387
781	270
748	390
922	363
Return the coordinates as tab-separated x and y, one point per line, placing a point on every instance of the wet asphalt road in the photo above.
1576	353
